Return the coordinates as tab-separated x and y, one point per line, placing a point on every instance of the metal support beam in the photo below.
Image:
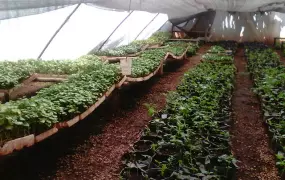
115	30
57	31
147	25
162	25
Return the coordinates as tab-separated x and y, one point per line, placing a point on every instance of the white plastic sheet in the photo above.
248	26
88	27
25	37
129	30
174	8
155	25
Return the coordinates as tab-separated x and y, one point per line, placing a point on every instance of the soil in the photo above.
93	148
168	151
142	146
250	141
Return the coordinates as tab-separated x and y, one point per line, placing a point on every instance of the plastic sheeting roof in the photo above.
87	28
174	8
49	33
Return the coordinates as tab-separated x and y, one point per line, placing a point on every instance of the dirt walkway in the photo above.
93	148
250	142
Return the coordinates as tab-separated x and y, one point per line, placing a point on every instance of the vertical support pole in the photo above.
163	25
274	42
57	31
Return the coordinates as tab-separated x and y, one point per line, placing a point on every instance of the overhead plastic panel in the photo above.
155	25
88	27
25	37
26	12
174	8
129	30
166	27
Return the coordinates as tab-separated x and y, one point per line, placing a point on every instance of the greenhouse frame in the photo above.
142	89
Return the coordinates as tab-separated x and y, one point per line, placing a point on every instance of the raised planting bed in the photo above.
220	51
44	114
22	72
217	58
189	139
135	48
151	61
28	90
156	39
227	45
123	51
30	86
179	48
269	79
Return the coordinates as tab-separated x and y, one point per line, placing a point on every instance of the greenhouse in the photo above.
142	89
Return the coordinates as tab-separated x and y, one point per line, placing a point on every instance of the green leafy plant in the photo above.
269	80
12	73
156	38
59	102
191	141
217	49
151	109
120	51
217	58
149	60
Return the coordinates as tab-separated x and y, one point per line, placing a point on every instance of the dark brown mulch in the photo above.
93	148
250	141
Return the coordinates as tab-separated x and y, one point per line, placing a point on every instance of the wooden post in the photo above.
274	41
161	69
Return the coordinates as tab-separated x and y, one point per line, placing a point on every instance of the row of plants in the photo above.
269	80
227	45
149	60
120	51
156	38
177	48
189	139
60	102
13	72
136	46
216	49
217	58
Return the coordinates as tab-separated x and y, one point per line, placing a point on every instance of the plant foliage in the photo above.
59	102
12	73
190	138
269	79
